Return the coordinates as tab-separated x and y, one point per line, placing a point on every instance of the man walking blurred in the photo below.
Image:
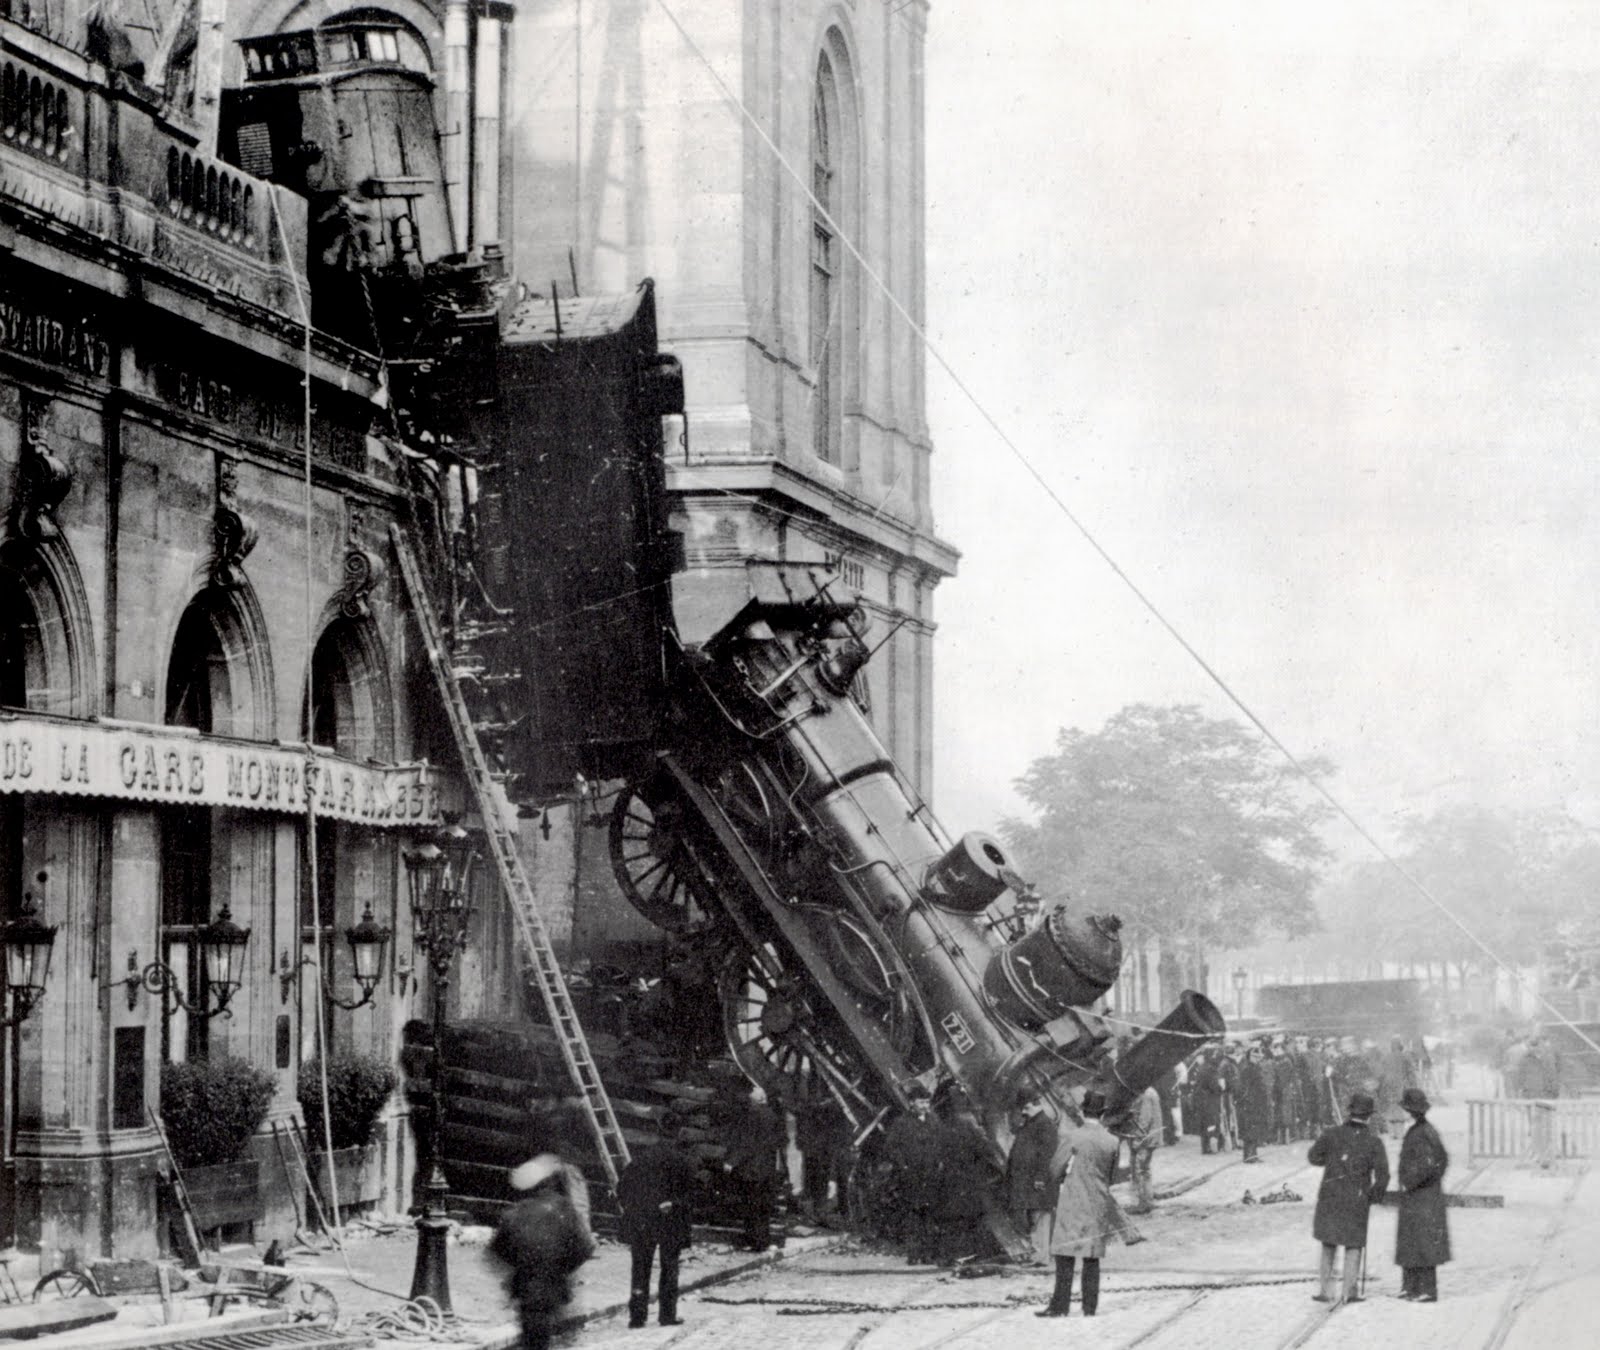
542	1241
1355	1174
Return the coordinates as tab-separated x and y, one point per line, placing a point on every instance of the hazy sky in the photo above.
1299	312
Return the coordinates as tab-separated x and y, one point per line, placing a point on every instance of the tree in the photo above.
1518	881
1192	829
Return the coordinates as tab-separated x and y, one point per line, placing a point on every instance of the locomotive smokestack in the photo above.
1182	1031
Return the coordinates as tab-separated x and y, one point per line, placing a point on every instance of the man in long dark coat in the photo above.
1255	1104
1422	1239
1355	1174
754	1136
1030	1192
1205	1086
656	1194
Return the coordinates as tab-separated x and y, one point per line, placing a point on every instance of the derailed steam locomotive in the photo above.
871	957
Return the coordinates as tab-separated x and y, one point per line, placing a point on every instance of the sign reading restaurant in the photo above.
122	760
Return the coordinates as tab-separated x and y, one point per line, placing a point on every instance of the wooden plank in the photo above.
22	1322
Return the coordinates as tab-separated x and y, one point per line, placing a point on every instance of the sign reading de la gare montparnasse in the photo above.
121	761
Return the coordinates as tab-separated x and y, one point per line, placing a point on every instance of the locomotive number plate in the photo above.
957	1030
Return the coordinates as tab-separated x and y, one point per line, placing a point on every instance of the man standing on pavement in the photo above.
753	1134
1206	1098
656	1194
1533	1077
1086	1157
1255	1104
1030	1192
1422	1238
1355	1174
542	1241
1143	1133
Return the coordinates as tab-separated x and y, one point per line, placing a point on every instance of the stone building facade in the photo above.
167	603
736	151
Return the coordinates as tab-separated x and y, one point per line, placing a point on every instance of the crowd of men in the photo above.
1281	1090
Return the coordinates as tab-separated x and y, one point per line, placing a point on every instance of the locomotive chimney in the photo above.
1182	1031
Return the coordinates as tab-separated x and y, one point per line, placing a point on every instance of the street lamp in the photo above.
437	874
367	941
28	945
1240	976
222	943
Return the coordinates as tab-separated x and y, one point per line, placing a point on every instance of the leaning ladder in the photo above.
538	953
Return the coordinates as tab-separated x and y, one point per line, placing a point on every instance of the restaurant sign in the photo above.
98	759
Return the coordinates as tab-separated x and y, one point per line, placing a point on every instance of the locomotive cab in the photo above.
344	115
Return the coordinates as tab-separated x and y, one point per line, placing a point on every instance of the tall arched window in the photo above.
826	280
349	713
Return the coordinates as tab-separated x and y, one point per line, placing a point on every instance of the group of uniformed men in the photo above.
1280	1090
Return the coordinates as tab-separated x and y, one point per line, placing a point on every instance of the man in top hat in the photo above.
1355	1174
542	1240
1422	1239
1030	1192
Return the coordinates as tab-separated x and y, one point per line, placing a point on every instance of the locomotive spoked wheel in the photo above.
776	1035
854	957
739	792
651	857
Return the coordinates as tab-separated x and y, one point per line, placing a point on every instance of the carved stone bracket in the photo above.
363	569
43	478
233	532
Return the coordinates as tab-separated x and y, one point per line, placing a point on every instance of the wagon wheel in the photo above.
778	1038
871	977
308	1301
651	857
65	1283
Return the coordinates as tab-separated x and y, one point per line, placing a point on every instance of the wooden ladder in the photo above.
538	954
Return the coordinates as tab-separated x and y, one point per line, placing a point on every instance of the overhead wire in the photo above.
1089	537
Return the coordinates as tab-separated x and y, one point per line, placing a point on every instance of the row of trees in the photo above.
1202	837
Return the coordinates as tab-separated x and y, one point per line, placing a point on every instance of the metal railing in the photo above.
1534	1129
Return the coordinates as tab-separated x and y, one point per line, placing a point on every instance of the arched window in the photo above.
218	682
349	714
826	279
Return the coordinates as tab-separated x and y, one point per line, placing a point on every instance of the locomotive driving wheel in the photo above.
873	981
651	856
779	1039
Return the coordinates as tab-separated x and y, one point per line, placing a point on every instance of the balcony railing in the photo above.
98	130
39	114
216	199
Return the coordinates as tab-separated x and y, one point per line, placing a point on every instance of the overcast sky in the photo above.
1298	311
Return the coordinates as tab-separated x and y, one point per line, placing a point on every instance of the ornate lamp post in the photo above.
28	945
437	873
1240	976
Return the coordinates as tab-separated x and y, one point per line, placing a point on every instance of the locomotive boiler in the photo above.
869	956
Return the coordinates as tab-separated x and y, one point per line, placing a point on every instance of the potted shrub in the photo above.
359	1087
210	1109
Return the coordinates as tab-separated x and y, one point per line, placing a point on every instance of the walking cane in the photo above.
1363	1293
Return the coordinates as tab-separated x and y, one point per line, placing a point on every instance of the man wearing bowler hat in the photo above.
1422	1239
1355	1174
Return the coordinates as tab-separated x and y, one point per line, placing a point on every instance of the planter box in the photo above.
224	1193
358	1170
